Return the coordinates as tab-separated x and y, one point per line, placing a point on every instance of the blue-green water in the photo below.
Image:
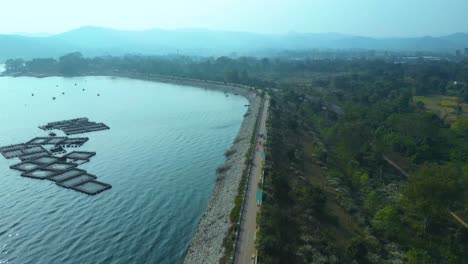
160	156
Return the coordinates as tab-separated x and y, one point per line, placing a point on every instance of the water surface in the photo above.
160	155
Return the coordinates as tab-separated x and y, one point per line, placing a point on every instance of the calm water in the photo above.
160	156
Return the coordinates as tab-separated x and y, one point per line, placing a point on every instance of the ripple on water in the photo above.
160	156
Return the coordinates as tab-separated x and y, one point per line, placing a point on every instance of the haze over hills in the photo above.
94	41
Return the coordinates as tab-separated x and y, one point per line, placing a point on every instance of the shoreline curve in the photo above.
207	243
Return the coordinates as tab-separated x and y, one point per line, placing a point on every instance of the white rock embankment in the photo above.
207	244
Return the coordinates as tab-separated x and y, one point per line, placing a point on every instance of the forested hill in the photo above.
94	41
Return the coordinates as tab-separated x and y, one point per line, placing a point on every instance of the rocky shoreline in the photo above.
207	244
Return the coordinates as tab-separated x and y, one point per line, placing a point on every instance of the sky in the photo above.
374	18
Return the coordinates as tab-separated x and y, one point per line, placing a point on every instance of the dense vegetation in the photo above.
397	169
359	168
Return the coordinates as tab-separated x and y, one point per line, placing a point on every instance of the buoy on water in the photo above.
63	92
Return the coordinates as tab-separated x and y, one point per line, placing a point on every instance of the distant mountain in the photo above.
14	46
92	41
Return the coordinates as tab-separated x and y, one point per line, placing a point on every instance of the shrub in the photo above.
229	152
222	168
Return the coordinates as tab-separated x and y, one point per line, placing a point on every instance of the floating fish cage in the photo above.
75	126
66	175
79	155
46	140
25	166
92	187
38	163
40	174
33	156
60	166
44	161
75	181
22	151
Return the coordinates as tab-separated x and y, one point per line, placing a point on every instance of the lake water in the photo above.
160	156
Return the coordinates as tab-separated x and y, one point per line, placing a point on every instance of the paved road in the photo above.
246	246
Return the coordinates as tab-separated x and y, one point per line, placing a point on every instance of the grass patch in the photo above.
444	106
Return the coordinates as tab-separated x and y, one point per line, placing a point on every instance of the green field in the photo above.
444	106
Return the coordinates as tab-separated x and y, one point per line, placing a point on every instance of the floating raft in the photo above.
23	151
58	141
38	163
64	174
78	157
75	126
92	187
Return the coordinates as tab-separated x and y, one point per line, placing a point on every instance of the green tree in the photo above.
404	100
460	128
372	202
364	182
357	250
432	190
14	65
387	221
72	64
47	65
417	256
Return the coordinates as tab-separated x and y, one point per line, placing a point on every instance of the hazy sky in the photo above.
362	17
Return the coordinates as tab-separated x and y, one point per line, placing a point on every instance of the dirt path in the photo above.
459	219
393	164
246	245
